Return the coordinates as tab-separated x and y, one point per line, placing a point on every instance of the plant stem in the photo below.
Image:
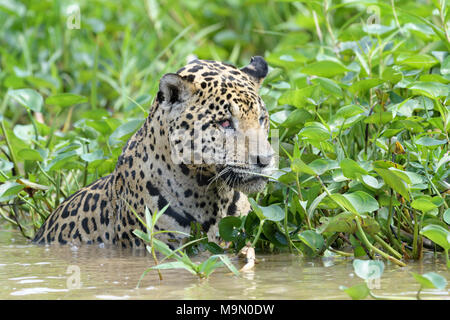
13	157
51	179
330	31
372	247
154	257
258	233
391	238
418	292
442	15
7	218
447	261
363	235
341	253
301	199
416	236
387	246
340	141
288	238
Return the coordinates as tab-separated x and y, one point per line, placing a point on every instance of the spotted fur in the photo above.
208	95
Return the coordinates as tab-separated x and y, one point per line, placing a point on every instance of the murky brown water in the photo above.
34	272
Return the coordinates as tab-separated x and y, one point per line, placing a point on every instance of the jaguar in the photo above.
202	149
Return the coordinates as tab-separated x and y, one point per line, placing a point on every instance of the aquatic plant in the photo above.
358	96
372	270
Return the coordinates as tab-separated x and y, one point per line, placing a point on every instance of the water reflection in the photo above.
34	272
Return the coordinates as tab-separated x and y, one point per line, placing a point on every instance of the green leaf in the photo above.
362	201
164	249
329	86
6	165
320	166
430	280
210	265
368	269
28	98
419	61
257	209
392	180
175	265
148	220
228	263
65	99
298	166
357	292
349	111
30	154
447	216
315	131
274	235
432	90
423	205
429	142
378	29
445	66
142	235
10	188
298	117
315	203
324	68
401	174
345	222
351	169
61	160
286	59
158	213
380	118
342	222
392	75
362	86
371	182
228	228
357	202
213	247
437	234
124	131
312	239
344	202
93	156
273	212
298	97
24	132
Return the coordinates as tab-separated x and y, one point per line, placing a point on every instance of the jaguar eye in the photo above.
261	120
226	124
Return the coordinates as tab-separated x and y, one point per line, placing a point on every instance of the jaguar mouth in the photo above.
243	179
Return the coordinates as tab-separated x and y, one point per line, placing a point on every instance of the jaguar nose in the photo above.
261	161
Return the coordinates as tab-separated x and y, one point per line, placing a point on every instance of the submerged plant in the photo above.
372	270
201	270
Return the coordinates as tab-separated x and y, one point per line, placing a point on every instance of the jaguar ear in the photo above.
257	69
174	89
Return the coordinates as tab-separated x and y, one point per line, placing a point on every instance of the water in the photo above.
34	272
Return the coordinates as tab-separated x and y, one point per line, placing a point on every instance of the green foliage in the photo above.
362	110
182	260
